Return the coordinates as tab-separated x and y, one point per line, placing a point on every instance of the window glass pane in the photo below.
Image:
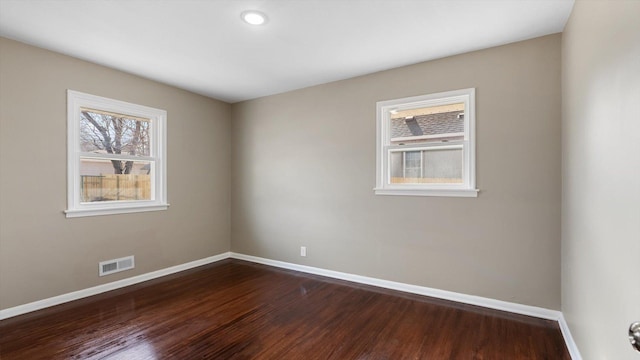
109	133
443	166
396	168
434	123
412	164
429	166
114	180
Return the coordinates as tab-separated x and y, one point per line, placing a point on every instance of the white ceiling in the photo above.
203	45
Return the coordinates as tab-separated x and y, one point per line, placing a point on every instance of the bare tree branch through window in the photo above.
114	134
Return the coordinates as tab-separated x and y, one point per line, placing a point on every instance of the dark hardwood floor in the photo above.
239	310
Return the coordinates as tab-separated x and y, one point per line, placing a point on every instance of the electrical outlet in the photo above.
303	251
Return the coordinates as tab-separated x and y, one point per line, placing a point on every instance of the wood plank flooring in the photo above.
238	310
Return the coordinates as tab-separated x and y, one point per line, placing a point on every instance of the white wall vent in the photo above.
116	265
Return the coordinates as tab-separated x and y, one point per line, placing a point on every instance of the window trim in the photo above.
158	155
384	148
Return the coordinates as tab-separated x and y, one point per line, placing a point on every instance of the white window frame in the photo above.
384	148
157	157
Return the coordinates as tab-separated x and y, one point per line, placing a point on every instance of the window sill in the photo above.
428	192
114	210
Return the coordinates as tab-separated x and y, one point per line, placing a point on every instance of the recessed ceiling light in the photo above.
254	17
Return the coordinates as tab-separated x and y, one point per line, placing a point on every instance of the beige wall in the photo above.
304	170
303	174
44	254
601	176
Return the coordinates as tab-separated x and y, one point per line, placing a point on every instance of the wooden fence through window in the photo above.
114	187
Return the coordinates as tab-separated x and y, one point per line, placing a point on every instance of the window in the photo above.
426	145
116	156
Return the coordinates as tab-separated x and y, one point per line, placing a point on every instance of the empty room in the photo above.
320	179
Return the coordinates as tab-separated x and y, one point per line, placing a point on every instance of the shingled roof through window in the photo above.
431	124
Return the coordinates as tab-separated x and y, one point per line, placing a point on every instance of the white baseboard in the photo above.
76	295
436	293
414	289
568	339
